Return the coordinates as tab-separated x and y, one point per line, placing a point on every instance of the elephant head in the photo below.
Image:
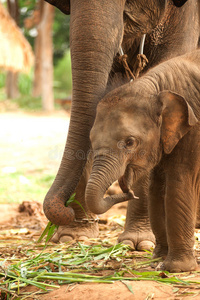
179	3
97	28
64	6
131	130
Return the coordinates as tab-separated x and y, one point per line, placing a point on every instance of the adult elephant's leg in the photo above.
85	224
95	37
138	233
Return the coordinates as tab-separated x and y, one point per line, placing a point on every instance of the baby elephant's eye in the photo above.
131	142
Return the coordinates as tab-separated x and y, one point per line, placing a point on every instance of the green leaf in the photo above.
45	232
129	286
82	249
50	233
71	199
77	202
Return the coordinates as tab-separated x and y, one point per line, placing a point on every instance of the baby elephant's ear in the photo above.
63	5
177	119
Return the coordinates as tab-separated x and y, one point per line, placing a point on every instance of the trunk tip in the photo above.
56	211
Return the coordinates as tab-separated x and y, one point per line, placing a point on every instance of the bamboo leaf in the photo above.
129	286
45	232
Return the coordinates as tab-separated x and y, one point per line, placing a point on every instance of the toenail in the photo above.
145	245
129	243
65	238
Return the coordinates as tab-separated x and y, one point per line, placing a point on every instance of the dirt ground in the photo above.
15	222
37	141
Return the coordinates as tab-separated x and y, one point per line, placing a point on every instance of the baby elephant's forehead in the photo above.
136	123
134	108
124	121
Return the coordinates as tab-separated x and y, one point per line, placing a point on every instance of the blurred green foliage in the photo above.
26	100
29	103
60	35
62	85
2	85
61	58
22	185
26	8
2	79
60	28
25	83
63	77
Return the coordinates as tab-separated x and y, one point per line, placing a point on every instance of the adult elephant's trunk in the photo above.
106	169
95	37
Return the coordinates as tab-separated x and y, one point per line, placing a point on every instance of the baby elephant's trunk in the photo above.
106	169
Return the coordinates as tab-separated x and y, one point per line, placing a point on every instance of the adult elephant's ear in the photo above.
177	119
179	3
63	5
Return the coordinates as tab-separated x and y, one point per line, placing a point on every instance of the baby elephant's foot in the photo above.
76	231
176	266
138	240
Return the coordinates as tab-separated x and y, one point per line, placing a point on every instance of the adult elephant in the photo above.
97	30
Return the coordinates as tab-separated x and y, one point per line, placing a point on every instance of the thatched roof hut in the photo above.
15	51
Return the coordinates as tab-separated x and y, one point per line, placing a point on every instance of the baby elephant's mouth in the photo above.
116	189
121	197
126	189
123	184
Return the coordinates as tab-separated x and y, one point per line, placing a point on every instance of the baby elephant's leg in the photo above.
157	212
180	210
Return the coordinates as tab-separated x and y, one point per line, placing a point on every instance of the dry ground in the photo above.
33	141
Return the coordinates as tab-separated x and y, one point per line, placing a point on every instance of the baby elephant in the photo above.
152	126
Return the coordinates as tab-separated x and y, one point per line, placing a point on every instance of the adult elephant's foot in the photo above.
77	230
85	224
138	240
160	251
174	265
138	234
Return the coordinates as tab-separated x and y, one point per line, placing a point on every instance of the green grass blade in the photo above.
50	233
129	286
45	232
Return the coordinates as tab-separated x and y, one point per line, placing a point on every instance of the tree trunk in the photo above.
35	20
12	77
43	74
47	57
37	86
12	85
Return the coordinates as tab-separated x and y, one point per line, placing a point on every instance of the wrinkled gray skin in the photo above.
152	125
97	30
